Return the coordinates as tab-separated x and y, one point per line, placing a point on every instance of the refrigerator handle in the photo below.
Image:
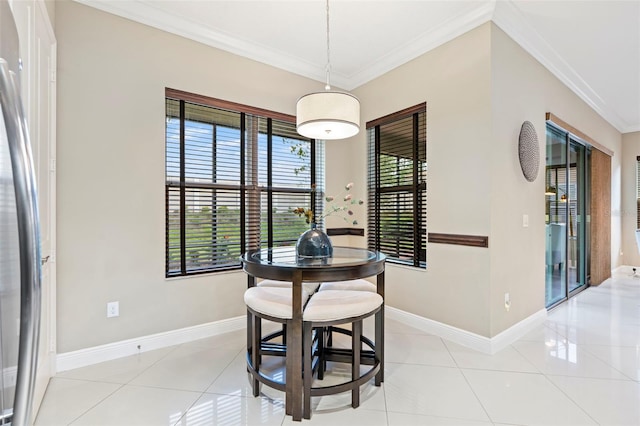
29	236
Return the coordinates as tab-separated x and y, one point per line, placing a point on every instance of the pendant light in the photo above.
328	115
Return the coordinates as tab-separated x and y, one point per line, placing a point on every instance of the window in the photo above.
397	186
233	176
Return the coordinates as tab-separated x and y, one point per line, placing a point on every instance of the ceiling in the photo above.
592	46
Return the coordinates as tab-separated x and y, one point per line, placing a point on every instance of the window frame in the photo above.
250	193
417	188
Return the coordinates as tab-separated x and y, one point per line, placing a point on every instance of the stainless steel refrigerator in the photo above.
19	239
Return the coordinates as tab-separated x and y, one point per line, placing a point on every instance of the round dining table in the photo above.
283	264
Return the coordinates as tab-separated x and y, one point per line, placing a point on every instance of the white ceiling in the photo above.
593	46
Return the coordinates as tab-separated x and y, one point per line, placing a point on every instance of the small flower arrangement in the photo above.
345	210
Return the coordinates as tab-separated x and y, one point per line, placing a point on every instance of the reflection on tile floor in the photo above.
581	367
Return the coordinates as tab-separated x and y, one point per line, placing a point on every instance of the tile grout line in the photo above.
608	364
152	364
464	376
570	399
224	369
461	371
96	404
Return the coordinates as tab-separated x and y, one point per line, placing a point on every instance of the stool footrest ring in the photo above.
345	355
281	386
346	386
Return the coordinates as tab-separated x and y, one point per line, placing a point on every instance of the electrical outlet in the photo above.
507	302
113	309
525	220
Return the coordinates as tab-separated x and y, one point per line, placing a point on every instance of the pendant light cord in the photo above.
328	86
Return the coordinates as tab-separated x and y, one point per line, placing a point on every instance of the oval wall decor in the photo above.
528	151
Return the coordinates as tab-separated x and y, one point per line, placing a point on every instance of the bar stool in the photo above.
355	285
329	308
308	286
273	304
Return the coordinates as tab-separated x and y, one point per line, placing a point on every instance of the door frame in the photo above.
37	45
585	246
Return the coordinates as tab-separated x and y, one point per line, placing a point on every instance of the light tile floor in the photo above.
581	367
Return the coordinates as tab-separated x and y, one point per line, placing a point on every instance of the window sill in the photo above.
204	274
405	267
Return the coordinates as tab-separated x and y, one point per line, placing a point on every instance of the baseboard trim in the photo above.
516	331
94	355
622	268
467	338
83	357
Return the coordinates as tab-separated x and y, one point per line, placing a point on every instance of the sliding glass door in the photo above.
567	211
577	214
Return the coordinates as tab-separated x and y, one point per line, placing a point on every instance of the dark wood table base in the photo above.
283	264
322	355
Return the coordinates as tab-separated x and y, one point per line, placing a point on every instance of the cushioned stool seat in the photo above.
272	302
332	307
356	285
310	287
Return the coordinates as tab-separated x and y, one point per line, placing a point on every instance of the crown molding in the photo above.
436	36
631	129
511	20
505	14
147	13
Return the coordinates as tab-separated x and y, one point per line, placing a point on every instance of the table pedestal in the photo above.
283	264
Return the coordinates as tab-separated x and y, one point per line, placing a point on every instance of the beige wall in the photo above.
522	89
454	80
630	150
479	88
111	79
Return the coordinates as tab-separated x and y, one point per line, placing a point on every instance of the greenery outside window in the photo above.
234	174
397	174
